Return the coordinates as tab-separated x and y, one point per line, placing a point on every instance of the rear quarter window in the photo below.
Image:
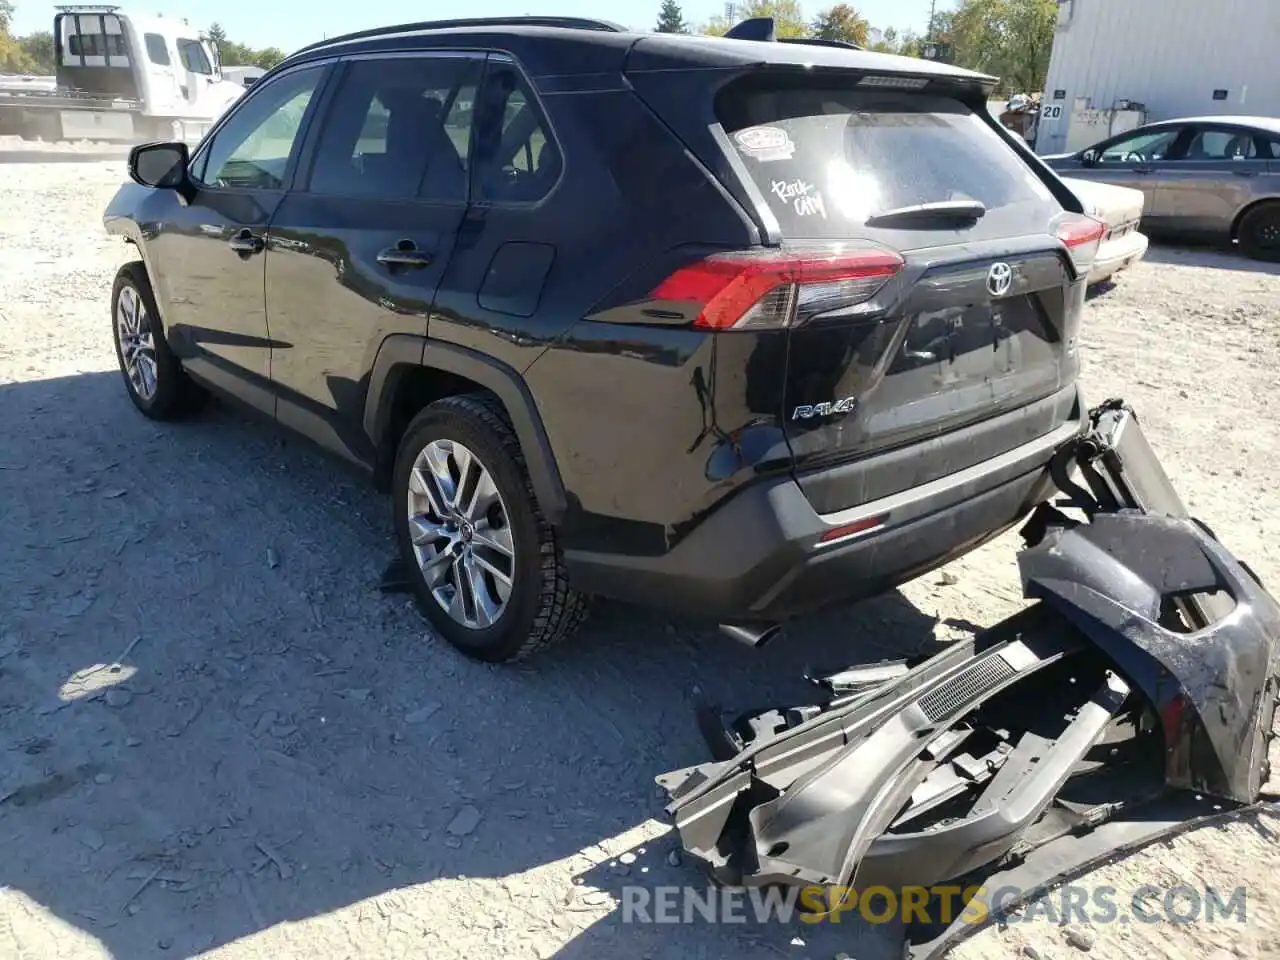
827	158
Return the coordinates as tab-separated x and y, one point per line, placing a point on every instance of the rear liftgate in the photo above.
1134	699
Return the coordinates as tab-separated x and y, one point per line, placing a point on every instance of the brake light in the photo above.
1075	233
894	83
1082	237
771	288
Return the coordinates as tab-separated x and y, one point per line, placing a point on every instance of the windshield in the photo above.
829	158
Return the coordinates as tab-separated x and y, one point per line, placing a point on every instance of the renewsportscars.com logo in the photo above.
930	905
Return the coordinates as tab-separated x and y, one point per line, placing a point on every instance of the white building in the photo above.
246	76
1177	57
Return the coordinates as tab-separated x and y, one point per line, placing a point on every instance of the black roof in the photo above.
585	45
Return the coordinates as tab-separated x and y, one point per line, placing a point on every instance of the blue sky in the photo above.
292	24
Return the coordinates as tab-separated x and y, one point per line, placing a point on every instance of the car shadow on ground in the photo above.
1099	289
66	156
211	721
1180	253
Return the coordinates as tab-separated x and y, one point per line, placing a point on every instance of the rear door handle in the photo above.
246	243
405	254
1245	173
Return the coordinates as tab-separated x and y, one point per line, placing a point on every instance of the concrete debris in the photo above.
92	839
464	821
118	697
270	852
422	714
1082	938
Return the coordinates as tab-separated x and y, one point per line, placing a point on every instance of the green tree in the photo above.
38	48
788	18
268	57
1011	39
13	59
1031	27
841	22
671	18
234	54
910	45
941	27
887	41
905	44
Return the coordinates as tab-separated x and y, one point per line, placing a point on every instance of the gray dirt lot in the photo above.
285	763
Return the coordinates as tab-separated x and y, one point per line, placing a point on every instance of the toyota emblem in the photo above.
999	279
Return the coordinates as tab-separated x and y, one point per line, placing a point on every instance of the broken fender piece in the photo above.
1136	693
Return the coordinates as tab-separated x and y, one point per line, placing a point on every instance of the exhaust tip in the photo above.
752	634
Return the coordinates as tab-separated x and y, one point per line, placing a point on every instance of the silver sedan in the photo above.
1207	177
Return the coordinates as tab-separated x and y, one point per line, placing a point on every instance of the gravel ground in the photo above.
218	738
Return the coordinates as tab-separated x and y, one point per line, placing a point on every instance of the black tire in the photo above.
542	609
1260	232
175	394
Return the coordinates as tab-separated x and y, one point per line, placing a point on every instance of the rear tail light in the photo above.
1082	237
754	289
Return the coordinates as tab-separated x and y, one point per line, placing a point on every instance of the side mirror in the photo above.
162	165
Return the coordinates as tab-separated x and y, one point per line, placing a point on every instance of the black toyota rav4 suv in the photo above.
739	327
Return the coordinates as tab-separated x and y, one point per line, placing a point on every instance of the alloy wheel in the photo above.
137	343
461	533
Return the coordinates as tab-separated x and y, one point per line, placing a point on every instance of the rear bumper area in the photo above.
1117	254
762	555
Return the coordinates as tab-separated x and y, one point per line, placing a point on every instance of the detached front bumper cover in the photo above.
1137	695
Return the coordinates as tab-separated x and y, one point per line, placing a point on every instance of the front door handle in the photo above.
245	243
405	254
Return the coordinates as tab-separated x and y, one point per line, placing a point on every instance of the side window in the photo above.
516	159
157	49
252	149
193	58
399	129
1270	147
1221	145
1142	148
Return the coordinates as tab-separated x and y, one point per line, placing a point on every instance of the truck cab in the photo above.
161	77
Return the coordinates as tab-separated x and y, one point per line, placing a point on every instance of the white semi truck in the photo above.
121	77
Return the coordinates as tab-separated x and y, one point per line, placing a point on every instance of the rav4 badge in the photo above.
807	411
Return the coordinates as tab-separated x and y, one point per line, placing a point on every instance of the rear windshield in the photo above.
828	158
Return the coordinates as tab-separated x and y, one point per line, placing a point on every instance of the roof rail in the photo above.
568	23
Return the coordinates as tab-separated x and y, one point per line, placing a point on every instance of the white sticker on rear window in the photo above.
803	196
765	143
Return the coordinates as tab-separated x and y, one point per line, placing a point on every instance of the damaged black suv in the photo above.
734	326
